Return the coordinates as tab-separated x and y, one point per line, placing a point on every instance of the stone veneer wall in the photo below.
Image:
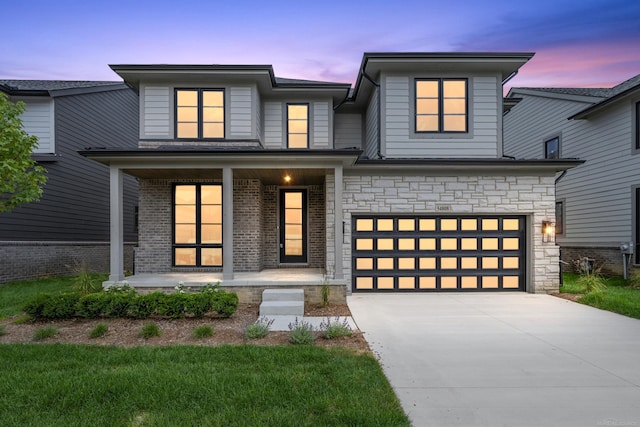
532	196
33	260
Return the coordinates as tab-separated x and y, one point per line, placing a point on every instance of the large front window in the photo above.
197	225
297	125
441	105
199	113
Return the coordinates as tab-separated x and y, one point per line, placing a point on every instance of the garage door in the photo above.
438	253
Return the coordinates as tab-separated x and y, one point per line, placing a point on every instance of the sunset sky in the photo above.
590	43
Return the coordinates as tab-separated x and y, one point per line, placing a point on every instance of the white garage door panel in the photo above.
431	253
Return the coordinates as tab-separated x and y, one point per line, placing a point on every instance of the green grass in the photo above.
99	330
617	296
44	333
204	331
14	295
73	385
150	330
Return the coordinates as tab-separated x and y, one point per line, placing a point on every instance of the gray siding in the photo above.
372	126
75	203
598	194
156	113
321	136
257	111
399	139
273	127
240	117
37	120
348	131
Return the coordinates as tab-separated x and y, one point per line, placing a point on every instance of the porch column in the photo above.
116	272
227	223
337	188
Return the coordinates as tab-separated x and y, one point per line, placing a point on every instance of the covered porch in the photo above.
248	285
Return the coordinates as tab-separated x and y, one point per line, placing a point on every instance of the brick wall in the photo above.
247	225
270	221
610	259
532	196
32	260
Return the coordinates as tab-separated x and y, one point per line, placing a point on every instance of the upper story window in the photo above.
441	105
297	125
552	148
199	113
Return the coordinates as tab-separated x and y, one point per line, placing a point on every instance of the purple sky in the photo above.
590	43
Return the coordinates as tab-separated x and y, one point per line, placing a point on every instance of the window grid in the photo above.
441	106
298	125
197	225
199	114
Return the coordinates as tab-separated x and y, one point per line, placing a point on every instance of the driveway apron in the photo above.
504	359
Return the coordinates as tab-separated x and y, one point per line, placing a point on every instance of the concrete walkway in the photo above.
504	359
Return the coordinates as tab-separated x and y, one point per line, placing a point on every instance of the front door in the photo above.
293	226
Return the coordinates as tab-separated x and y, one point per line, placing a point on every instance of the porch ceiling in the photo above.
267	176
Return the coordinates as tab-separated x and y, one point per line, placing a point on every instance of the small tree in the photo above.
21	179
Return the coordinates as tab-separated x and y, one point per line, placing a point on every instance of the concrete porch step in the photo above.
283	295
282	302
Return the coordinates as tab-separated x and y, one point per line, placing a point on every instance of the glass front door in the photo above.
293	226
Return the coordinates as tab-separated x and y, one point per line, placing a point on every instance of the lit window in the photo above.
297	125
552	148
199	113
197	225
441	105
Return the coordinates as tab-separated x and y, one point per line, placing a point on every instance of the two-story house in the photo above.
397	184
598	203
70	223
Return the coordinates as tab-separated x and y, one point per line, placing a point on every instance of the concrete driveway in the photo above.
504	359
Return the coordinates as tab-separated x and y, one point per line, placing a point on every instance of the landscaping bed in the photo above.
126	332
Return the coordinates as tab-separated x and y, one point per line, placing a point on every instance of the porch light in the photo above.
548	232
287	178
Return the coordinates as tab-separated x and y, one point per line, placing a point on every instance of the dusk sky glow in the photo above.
586	43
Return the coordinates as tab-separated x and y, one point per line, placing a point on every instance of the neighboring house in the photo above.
598	203
70	223
398	184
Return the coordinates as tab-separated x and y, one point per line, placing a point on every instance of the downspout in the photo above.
377	85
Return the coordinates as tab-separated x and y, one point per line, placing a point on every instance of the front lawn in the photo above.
618	296
75	385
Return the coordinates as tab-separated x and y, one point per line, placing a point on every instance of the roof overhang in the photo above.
260	75
596	108
505	63
154	163
466	167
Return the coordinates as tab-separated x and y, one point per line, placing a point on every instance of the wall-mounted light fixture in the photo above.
548	232
287	178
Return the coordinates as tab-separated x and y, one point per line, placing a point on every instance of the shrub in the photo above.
61	306
204	331
336	328
143	306
590	277
258	329
150	330
118	304
301	332
198	304
35	306
44	333
634	280
121	288
3	330
99	330
174	305
225	303
92	306
84	283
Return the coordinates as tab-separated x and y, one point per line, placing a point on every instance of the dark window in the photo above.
441	105
297	126
197	225
199	113
559	217
552	148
